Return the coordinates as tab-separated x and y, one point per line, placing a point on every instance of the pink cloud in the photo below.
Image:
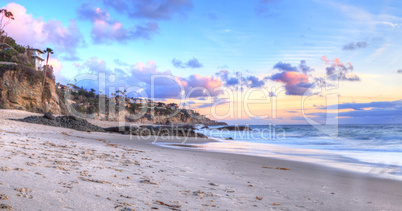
55	63
36	32
151	63
104	29
295	83
338	71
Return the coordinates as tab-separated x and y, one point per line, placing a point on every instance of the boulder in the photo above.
49	116
235	128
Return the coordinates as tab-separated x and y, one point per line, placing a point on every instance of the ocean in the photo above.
371	149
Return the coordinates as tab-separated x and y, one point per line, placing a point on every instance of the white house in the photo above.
141	100
37	57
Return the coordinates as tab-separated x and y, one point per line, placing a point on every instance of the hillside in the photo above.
88	104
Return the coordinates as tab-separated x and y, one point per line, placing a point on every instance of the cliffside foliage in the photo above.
11	42
87	102
23	72
25	66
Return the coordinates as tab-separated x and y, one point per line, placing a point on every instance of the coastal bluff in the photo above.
23	90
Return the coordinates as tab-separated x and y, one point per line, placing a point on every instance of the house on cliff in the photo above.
173	106
36	55
63	88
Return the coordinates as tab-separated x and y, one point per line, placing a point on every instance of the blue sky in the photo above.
249	37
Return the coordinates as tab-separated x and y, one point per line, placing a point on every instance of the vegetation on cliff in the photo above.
119	106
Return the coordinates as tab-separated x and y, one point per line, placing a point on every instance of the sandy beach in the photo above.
49	168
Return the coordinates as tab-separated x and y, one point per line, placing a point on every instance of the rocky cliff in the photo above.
162	117
23	90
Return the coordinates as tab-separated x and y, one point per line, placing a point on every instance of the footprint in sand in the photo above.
24	192
3	196
5	207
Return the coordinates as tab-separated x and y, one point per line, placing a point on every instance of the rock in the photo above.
49	116
19	91
230	138
235	128
178	131
71	122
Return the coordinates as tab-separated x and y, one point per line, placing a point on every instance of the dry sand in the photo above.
48	168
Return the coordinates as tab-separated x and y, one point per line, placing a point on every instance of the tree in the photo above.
48	51
5	18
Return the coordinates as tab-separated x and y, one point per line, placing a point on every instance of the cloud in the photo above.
363	106
399	71
368	113
338	71
192	63
55	63
27	30
150	9
355	46
120	63
285	67
87	12
228	79
265	8
216	101
295	78
237	80
255	82
105	29
295	83
177	63
303	67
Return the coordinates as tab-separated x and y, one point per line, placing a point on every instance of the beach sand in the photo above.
48	168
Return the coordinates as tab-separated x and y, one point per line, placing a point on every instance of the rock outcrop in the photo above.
235	128
71	122
178	118
19	91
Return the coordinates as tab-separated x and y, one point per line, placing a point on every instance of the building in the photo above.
141	101
173	106
130	100
36	55
63	88
161	105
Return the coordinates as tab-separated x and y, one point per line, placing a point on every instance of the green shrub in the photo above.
6	55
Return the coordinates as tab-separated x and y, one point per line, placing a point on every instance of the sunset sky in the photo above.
295	53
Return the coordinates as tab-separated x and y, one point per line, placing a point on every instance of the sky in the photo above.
246	62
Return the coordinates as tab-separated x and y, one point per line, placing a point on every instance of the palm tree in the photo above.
5	18
48	51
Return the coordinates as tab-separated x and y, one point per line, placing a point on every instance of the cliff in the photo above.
22	89
164	117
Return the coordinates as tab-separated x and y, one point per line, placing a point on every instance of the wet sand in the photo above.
52	168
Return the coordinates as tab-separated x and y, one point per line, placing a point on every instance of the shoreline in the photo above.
48	168
303	155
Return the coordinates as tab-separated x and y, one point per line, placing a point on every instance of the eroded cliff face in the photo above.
22	93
